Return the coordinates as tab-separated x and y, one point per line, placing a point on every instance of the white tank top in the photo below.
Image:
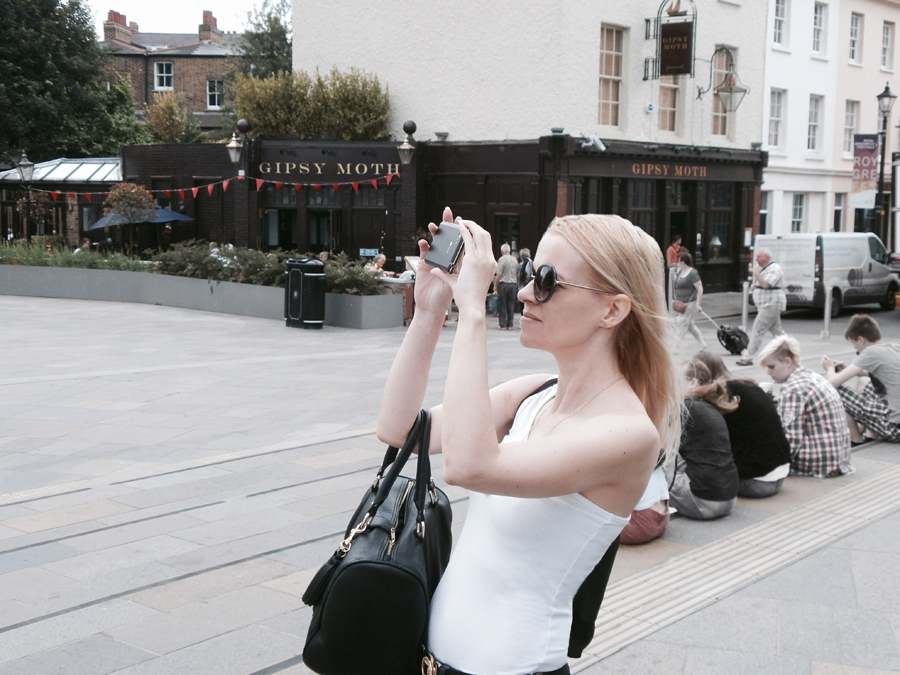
504	604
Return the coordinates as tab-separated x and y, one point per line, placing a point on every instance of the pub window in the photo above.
818	45
856	29
838	211
779	33
719	116
763	212
851	115
326	196
668	102
215	94
611	54
165	76
776	118
641	203
507	229
797	213
678	194
812	129
887	45
286	196
721	201
368	196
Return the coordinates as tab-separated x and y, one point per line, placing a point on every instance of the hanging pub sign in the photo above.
675	48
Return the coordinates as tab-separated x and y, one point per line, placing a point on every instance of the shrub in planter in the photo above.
349	277
34	253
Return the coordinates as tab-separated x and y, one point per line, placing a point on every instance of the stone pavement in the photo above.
170	480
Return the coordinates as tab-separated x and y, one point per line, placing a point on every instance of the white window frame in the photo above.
780	25
820	10
776	118
218	92
887	46
851	125
856	35
668	115
160	76
797	212
814	124
611	84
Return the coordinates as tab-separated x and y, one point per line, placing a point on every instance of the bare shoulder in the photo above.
513	392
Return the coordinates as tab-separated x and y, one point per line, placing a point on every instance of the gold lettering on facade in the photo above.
304	167
393	168
265	167
343	168
289	166
319	167
679	170
363	171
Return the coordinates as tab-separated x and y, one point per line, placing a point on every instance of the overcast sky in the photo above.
172	16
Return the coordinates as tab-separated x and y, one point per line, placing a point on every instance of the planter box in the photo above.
225	297
364	311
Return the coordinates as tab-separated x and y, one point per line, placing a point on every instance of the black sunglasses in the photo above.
545	283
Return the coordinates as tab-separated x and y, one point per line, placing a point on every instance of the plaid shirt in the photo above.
770	297
813	418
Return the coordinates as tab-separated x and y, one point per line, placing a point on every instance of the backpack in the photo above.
526	272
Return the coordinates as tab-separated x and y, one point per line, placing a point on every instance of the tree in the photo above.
267	46
347	106
122	127
170	120
51	87
130	202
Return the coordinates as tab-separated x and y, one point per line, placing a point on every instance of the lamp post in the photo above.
885	102
25	167
235	147
730	90
408	147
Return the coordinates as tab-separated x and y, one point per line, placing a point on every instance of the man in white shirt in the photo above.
770	301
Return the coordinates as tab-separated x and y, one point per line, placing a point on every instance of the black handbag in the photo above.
371	599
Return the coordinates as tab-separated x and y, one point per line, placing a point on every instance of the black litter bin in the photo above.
304	293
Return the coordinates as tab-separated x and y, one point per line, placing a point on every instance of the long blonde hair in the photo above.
627	260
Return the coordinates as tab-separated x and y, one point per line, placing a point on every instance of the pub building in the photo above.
357	197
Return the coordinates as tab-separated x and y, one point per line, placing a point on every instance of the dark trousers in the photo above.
507	292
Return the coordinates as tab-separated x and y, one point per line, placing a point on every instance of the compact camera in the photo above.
446	246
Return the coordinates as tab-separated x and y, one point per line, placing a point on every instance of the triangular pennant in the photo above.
355	187
73	196
297	186
240	178
259	184
399	176
316	187
224	186
278	186
195	191
87	195
374	183
387	179
181	194
336	186
54	195
209	188
167	193
104	193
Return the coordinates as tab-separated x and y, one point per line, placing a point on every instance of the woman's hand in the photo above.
471	284
431	293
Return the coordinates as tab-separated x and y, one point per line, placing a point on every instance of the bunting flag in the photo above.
210	188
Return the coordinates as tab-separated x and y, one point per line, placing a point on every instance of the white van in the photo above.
854	264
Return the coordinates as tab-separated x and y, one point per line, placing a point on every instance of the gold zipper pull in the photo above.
392	540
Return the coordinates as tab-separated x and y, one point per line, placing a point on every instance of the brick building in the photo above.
194	65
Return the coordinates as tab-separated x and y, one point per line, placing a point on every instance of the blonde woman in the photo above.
553	476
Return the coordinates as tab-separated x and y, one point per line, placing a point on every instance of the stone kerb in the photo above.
364	311
224	297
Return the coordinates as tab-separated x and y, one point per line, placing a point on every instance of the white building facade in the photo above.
826	62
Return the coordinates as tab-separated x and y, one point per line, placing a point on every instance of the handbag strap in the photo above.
412	440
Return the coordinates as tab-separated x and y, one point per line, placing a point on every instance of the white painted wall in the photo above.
512	70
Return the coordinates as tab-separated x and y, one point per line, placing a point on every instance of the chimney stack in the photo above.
114	28
208	29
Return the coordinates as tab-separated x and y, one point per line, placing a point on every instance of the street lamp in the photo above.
235	147
408	147
25	167
885	103
730	90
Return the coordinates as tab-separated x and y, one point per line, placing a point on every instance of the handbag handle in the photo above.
412	440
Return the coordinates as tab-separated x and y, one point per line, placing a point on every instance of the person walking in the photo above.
770	301
505	284
577	449
688	292
672	251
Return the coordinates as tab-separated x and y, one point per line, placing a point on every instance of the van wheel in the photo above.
888	303
835	303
